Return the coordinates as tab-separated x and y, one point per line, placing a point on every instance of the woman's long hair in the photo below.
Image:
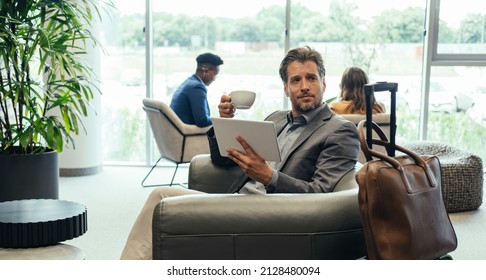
352	89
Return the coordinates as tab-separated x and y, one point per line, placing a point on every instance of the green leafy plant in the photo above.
45	84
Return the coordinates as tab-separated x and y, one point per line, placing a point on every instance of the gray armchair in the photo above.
273	226
177	142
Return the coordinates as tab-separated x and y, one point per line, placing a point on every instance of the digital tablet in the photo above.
260	135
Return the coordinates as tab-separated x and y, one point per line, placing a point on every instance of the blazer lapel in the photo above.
280	125
317	122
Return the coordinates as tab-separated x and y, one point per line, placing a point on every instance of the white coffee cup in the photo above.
242	99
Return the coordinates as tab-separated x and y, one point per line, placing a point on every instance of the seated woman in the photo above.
352	98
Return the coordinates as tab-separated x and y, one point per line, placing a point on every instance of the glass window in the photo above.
462	28
123	82
248	35
383	38
456	73
455	108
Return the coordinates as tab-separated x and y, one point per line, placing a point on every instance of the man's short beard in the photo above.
304	108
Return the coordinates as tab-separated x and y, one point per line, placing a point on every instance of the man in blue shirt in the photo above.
190	100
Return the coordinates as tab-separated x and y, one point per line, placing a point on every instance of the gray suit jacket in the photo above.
326	149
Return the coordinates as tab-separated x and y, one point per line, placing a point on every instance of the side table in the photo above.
35	227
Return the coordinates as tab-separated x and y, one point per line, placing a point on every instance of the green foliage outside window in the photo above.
456	129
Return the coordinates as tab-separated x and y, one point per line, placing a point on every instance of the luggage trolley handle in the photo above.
369	90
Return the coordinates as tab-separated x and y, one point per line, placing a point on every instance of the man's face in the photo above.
304	87
209	75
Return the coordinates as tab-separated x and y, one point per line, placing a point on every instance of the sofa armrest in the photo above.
348	181
207	177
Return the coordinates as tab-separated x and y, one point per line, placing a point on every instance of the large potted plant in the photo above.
45	89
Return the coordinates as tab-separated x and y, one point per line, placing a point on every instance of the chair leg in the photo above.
159	185
173	175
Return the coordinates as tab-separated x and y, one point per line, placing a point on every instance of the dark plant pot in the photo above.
31	176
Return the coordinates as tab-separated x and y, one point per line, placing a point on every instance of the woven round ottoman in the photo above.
461	174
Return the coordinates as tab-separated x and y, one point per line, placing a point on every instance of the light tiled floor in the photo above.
113	198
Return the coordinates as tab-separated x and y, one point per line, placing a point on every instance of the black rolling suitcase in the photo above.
400	197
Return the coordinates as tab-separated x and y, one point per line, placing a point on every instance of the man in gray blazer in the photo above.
317	148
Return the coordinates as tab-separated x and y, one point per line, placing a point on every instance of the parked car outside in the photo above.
442	98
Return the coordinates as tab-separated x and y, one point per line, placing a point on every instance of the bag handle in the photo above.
369	90
383	141
364	142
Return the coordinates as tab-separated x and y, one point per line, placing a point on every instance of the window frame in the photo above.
432	59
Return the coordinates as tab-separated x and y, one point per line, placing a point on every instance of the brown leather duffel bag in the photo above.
401	204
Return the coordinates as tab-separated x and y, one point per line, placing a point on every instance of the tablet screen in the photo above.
260	135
